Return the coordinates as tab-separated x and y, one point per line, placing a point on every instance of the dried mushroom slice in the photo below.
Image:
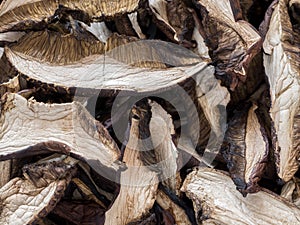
215	199
52	48
246	149
139	66
281	61
30	128
232	43
21	15
24	201
174	19
161	130
100	8
139	182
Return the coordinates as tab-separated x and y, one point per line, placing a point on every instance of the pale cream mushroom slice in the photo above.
281	62
216	201
30	128
139	182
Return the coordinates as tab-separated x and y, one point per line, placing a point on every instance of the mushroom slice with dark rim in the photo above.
21	15
232	43
30	128
246	149
281	62
25	200
215	199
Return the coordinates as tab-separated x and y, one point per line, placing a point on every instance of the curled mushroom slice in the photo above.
161	130
139	182
232	43
139	66
30	128
24	201
19	15
281	61
246	149
215	199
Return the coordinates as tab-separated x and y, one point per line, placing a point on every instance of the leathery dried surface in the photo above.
281	61
215	199
55	127
25	200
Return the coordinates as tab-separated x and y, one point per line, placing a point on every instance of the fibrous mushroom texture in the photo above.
281	61
25	200
59	128
217	202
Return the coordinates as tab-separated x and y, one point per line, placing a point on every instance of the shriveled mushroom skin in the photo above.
281	61
24	201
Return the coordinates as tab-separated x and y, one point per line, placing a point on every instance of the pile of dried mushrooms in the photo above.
141	112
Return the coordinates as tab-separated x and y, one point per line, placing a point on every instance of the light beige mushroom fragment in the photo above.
13	86
177	212
28	126
11	36
213	99
216	199
281	62
161	130
135	25
138	184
